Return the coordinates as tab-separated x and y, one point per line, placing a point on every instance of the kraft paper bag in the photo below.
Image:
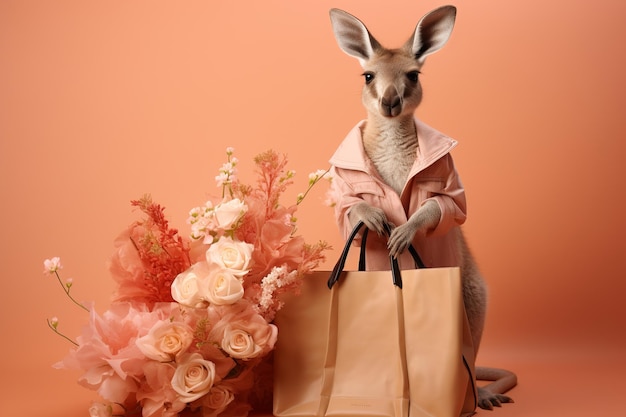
375	343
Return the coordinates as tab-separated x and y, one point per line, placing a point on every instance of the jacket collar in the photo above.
433	145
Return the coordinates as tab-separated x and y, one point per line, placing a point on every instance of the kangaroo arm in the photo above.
374	218
424	219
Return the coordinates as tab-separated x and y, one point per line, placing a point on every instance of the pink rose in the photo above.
232	255
193	378
221	288
166	341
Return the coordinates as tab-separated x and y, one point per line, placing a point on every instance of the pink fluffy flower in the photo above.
156	395
107	350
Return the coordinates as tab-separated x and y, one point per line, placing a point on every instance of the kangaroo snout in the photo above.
391	103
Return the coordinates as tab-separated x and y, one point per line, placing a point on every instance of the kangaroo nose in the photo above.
390	104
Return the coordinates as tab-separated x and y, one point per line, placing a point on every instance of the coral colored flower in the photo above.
147	258
52	265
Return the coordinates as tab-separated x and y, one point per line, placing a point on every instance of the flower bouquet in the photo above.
189	331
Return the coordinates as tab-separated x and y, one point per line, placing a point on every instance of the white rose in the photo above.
232	255
186	286
165	341
221	288
227	214
193	378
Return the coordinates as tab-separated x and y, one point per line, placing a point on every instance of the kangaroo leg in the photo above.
491	395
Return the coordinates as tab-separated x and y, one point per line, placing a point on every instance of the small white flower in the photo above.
221	179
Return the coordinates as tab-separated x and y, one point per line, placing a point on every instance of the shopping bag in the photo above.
375	343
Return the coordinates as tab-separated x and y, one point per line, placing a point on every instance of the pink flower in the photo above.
52	265
107	352
156	395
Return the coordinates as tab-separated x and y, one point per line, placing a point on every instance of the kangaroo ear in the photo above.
432	32
352	35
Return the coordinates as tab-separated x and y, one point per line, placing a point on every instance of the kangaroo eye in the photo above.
369	77
412	76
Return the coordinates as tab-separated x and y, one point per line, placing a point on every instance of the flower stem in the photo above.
311	185
67	292
54	329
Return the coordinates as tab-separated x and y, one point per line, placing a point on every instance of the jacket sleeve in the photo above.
344	198
449	195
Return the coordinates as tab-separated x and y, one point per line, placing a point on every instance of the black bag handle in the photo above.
395	268
416	257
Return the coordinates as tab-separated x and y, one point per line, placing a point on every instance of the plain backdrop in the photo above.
104	101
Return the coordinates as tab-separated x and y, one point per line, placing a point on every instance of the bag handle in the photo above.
416	257
395	268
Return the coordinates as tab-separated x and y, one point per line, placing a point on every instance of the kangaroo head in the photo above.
392	86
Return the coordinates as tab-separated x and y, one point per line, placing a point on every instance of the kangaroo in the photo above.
390	140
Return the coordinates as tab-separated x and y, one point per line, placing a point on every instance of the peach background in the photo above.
101	102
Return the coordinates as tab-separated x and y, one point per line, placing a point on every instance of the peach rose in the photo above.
165	341
227	214
248	337
221	288
193	378
232	255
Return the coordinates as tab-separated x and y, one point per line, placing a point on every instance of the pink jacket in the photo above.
432	177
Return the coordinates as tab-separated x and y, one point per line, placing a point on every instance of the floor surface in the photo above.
553	382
